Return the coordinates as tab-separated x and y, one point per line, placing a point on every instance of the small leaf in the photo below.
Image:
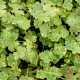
16	70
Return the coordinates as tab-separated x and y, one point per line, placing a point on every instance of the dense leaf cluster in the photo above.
39	39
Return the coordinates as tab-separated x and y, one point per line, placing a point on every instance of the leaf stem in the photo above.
37	50
21	37
33	70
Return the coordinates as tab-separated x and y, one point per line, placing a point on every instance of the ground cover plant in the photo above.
39	39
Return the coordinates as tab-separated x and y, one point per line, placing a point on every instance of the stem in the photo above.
37	50
21	37
61	78
33	71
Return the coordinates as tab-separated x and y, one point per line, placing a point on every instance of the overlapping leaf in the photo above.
51	73
9	39
43	12
60	31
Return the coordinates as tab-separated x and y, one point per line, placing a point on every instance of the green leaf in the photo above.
12	61
26	78
9	39
40	74
31	35
50	11
56	20
38	12
3	76
57	2
30	1
10	73
54	37
28	43
72	77
22	22
2	8
76	63
58	52
46	1
74	29
63	13
2	2
71	37
42	63
45	41
67	4
16	70
48	56
2	51
43	33
7	18
63	31
15	1
31	56
51	73
20	53
2	61
74	22
60	31
77	75
73	46
78	1
44	30
43	12
17	9
78	11
37	23
78	37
